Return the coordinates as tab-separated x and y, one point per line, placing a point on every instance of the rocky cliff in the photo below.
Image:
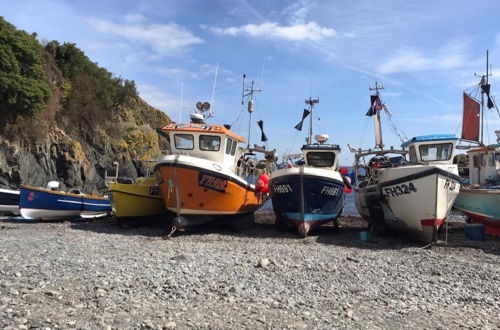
73	122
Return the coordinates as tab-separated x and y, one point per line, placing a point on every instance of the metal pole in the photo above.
310	121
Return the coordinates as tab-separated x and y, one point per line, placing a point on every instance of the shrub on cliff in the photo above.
23	86
92	94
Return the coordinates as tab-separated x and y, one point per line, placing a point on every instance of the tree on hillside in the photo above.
23	86
93	93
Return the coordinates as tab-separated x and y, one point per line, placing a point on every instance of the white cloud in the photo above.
161	39
298	32
298	12
204	71
154	96
453	118
450	56
132	18
405	61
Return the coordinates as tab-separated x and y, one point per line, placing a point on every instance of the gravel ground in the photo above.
114	275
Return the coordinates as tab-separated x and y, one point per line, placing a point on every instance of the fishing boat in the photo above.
415	194
479	200
309	192
51	204
9	201
135	198
207	177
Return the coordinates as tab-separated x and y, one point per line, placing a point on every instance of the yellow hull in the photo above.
202	193
138	199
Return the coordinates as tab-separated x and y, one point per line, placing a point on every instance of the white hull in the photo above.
417	198
93	215
48	214
313	171
10	208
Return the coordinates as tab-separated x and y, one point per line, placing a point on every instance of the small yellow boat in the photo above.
139	198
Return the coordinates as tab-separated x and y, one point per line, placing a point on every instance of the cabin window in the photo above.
184	141
209	142
233	147
229	144
475	161
413	155
320	159
491	159
482	157
435	152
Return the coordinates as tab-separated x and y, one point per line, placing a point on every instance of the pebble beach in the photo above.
110	274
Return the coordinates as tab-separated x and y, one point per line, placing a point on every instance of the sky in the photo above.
424	52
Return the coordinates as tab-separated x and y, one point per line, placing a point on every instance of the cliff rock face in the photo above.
64	118
76	163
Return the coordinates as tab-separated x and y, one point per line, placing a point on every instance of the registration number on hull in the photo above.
399	189
212	182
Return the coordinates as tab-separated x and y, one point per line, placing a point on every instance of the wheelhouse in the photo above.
484	165
212	142
435	149
320	154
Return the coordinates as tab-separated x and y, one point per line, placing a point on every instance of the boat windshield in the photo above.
435	152
184	141
209	142
320	159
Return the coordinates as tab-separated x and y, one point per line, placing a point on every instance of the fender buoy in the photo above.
347	184
262	184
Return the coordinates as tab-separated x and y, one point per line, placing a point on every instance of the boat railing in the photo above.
366	173
248	165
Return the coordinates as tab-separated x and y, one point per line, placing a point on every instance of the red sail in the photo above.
470	121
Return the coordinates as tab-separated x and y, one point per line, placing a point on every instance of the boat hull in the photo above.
415	198
44	204
9	201
199	191
306	197
139	199
482	206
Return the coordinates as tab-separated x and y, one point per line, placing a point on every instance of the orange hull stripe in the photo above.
235	199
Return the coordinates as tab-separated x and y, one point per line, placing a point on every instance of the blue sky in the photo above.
424	52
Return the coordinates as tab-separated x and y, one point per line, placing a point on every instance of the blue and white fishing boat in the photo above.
51	204
310	192
415	194
9	201
480	198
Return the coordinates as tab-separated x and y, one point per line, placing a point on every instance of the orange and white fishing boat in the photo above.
207	176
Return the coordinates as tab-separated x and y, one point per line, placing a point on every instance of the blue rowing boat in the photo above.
51	204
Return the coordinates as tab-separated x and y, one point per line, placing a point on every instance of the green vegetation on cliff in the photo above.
57	87
64	117
24	89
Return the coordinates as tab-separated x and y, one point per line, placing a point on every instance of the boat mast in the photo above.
482	97
376	121
250	91
484	82
311	103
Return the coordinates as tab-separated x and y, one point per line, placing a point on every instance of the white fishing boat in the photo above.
416	193
479	199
